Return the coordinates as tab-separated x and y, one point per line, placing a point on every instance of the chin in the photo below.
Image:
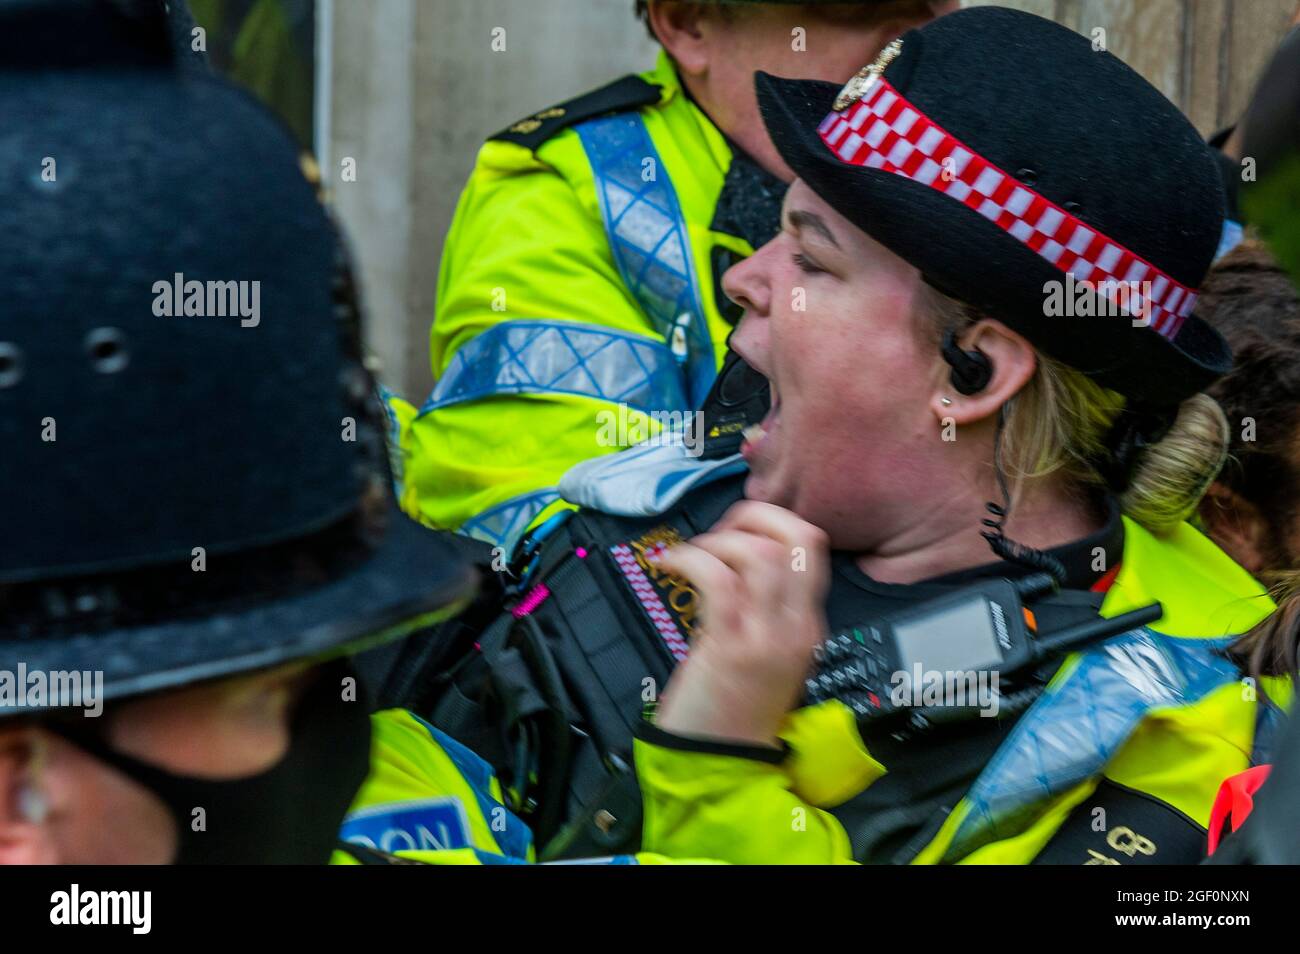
762	488
756	488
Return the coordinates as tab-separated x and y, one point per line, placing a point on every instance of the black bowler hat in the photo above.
184	497
997	151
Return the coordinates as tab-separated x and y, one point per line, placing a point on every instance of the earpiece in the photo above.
971	370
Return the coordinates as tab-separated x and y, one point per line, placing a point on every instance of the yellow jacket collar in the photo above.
666	77
1205	594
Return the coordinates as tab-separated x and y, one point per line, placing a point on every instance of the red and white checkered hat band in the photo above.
884	131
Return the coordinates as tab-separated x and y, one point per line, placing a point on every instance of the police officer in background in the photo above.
1255	508
194	530
198	522
581	271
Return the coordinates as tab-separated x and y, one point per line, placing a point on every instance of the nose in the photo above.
749	285
746	284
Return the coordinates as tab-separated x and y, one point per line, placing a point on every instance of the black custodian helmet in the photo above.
183	496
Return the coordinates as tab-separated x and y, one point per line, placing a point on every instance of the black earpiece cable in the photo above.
1006	548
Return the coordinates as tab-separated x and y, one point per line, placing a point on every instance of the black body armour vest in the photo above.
548	679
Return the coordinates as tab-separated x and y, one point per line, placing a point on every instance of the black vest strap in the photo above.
1117	825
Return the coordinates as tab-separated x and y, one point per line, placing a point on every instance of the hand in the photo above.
762	574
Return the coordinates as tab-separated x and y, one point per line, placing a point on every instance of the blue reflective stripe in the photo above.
648	236
487	858
395	462
1078	724
562	357
505	523
386	398
605	860
530	549
515	838
426	824
1229	238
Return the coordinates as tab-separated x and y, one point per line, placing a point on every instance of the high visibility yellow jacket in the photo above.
1156	712
578	276
430	799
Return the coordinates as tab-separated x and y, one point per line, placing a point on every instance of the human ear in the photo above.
1012	361
682	29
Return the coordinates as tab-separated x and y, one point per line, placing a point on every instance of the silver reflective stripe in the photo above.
649	239
505	523
562	357
1079	724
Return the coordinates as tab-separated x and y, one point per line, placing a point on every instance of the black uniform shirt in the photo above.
927	775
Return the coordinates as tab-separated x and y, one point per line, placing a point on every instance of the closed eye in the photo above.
806	264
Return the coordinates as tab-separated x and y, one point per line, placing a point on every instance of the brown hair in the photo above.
1272	648
1252	302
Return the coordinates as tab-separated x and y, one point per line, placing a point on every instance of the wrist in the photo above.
708	716
653	734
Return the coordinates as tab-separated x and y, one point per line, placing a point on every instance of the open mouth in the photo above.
757	435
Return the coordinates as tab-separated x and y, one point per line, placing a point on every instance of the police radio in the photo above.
874	666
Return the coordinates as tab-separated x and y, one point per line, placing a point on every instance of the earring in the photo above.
946	402
32	804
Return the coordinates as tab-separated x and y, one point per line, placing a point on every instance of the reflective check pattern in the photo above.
505	523
562	357
650	240
884	131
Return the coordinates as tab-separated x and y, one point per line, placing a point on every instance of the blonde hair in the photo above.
1058	423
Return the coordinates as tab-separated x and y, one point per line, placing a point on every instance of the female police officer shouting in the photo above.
930	348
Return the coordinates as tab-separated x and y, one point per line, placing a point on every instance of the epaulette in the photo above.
630	92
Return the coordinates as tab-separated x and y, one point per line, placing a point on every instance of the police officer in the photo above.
198	525
934	394
1047	178
1256	517
579	277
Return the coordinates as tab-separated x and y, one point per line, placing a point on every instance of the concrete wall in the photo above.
1205	55
415	87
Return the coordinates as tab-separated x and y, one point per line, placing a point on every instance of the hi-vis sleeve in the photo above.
534	337
430	800
728	803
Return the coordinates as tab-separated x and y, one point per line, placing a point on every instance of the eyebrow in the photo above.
810	220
